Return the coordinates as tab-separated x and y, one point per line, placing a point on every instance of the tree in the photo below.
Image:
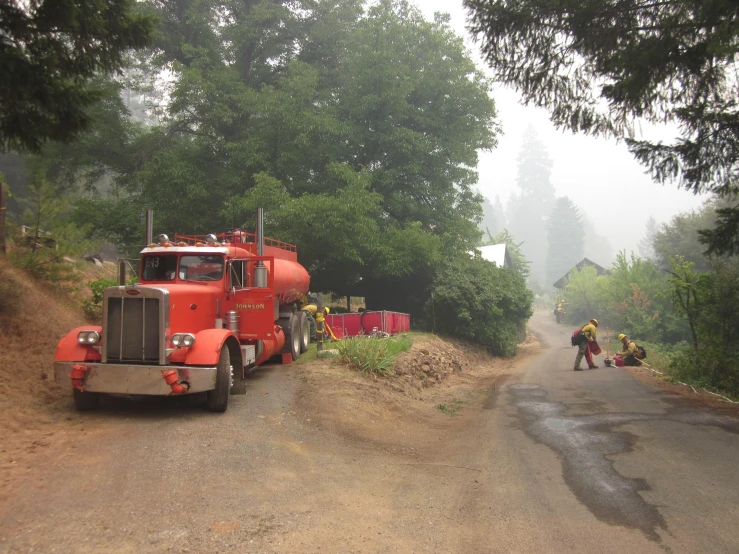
529	209
49	53
599	67
565	239
302	104
597	247
680	237
646	245
493	218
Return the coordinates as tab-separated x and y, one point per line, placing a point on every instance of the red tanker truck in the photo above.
207	310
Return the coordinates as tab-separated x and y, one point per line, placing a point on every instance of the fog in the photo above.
598	174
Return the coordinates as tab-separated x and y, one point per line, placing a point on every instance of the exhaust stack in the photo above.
260	272
149	226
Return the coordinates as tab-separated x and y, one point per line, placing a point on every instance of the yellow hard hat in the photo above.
621	336
595	322
326	310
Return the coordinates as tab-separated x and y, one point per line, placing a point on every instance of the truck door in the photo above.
257	306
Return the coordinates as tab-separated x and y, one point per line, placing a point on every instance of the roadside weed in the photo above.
452	407
370	355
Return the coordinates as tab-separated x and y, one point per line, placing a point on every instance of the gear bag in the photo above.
640	352
578	337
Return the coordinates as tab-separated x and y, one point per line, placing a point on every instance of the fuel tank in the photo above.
291	281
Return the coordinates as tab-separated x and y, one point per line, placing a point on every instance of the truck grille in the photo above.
133	329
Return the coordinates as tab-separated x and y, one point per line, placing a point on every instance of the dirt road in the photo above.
513	457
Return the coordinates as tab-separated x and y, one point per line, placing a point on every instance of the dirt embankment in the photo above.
432	383
33	408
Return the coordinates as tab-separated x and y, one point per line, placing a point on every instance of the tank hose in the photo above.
77	375
172	379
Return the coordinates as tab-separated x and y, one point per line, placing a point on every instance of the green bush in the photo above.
711	368
475	300
371	355
94	306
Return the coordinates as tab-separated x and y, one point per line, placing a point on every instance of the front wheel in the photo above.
217	400
85	401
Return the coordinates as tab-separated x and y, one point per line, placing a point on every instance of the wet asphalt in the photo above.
599	461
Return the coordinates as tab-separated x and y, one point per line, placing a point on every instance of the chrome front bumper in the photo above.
135	379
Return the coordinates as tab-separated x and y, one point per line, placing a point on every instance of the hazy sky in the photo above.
597	174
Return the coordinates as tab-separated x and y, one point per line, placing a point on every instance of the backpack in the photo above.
640	352
578	337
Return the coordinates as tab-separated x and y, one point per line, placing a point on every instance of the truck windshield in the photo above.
160	268
201	268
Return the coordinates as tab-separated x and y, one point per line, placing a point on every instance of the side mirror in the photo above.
228	283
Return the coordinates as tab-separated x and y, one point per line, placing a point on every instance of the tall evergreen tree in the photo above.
565	239
597	247
601	66
493	219
528	209
646	244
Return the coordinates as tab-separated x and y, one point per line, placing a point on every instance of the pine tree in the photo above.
493	219
646	245
529	209
565	238
602	67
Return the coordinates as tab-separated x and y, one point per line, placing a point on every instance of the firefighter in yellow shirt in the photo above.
588	346
629	351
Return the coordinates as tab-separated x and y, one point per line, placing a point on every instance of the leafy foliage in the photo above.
710	302
635	298
599	66
478	301
50	51
52	236
370	355
356	127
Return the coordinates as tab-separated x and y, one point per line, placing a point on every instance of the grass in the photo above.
452	408
370	355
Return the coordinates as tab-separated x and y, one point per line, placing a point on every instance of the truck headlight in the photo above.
88	337
183	339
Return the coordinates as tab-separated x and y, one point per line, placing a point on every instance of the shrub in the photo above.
371	355
475	300
94	306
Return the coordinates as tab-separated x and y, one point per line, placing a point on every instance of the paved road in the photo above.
596	461
555	461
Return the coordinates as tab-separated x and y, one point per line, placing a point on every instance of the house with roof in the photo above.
496	253
560	284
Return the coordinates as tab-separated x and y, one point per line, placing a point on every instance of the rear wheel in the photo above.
304	331
85	401
217	400
291	328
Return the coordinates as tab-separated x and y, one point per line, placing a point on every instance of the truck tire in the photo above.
291	328
85	401
217	399
304	331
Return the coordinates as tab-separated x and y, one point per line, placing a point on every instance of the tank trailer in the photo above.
207	310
